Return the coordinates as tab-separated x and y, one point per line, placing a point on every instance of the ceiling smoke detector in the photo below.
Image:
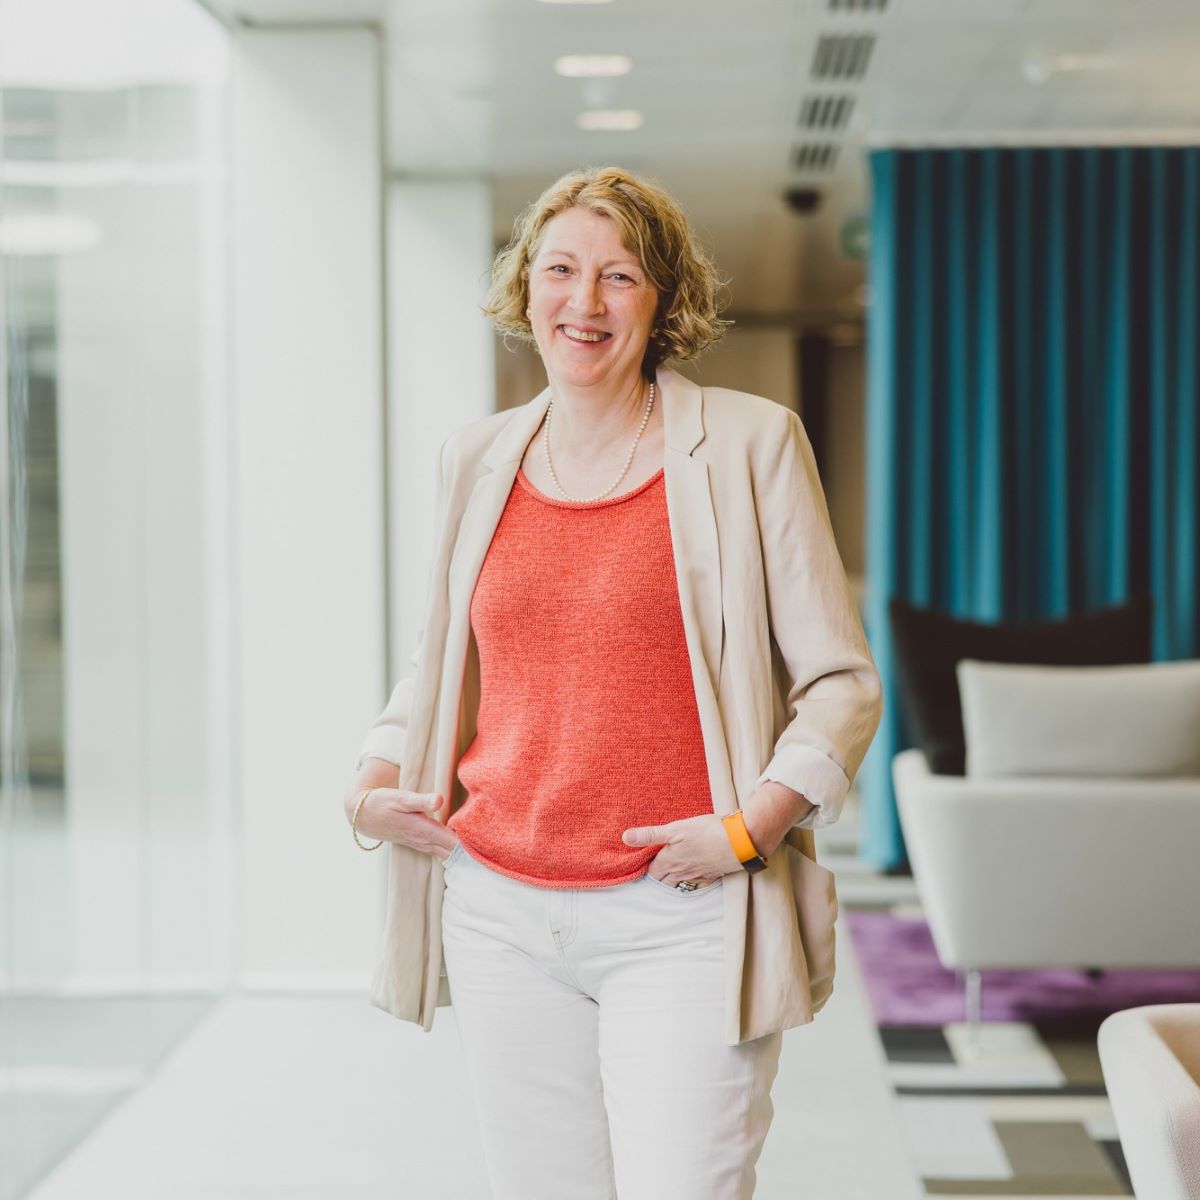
803	200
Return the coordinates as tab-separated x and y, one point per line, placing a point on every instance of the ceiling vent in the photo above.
858	6
827	114
842	56
814	156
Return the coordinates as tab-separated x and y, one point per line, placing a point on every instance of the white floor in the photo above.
320	1097
308	1098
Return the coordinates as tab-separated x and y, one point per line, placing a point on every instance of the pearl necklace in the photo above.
628	460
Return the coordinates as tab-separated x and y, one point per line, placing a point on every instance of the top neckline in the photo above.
603	502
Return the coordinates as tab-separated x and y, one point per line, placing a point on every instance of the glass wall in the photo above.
115	645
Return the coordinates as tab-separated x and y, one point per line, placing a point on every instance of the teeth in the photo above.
579	335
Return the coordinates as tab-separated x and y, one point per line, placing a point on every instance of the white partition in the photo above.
309	385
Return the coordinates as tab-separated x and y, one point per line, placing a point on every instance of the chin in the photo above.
583	374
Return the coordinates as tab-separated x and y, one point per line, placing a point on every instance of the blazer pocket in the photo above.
815	893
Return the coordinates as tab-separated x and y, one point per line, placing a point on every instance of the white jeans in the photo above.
592	1024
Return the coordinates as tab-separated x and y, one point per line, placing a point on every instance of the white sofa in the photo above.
1053	872
1151	1062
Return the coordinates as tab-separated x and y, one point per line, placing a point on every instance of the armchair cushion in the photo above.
928	644
1134	721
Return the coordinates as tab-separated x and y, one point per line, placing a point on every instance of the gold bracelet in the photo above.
354	819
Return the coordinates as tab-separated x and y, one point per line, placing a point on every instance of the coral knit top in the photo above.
587	722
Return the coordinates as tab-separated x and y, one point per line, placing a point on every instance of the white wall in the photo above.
441	368
308	189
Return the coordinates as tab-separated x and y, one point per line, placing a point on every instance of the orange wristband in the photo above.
743	845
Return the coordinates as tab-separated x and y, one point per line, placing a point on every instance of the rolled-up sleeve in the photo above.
834	698
386	736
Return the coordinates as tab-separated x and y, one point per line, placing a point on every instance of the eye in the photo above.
621	275
559	267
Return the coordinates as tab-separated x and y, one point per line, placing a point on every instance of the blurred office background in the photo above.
242	249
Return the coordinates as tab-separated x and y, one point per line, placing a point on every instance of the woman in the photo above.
642	682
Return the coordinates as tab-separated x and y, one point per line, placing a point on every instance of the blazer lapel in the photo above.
697	553
481	515
697	549
486	503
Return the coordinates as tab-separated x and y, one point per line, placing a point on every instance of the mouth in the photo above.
582	336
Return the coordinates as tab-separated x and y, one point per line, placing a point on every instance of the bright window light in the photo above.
592	66
609	119
48	234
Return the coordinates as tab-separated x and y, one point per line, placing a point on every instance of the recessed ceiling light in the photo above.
1038	64
610	119
591	66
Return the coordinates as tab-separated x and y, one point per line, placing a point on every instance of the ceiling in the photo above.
722	87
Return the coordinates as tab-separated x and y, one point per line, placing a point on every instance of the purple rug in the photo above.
907	985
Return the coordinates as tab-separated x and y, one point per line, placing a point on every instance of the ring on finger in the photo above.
687	885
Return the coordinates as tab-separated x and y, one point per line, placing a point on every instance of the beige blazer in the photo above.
785	683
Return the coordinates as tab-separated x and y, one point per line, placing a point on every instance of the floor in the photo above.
264	1097
1010	1108
323	1096
1018	1112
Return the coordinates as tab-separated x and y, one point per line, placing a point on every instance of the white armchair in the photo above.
1054	871
1151	1062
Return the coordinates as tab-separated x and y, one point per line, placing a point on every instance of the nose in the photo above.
585	295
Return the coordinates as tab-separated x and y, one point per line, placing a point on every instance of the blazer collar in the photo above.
683	423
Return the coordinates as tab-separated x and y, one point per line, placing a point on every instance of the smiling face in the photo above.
592	304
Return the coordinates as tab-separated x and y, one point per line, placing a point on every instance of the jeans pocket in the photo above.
673	890
454	855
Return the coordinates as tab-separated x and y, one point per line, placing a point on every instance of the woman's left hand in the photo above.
696	848
699	849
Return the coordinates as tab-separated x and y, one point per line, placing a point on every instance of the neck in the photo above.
588	419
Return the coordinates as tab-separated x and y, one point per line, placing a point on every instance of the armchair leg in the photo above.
974	1006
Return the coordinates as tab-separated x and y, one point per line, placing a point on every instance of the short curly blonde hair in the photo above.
653	227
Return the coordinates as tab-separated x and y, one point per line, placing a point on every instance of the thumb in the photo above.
647	835
420	801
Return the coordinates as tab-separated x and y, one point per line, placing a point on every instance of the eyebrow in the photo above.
612	262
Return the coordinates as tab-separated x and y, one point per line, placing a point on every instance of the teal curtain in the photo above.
1032	426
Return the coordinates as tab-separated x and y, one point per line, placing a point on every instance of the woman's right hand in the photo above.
398	815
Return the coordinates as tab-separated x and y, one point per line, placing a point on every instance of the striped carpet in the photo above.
1015	1108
